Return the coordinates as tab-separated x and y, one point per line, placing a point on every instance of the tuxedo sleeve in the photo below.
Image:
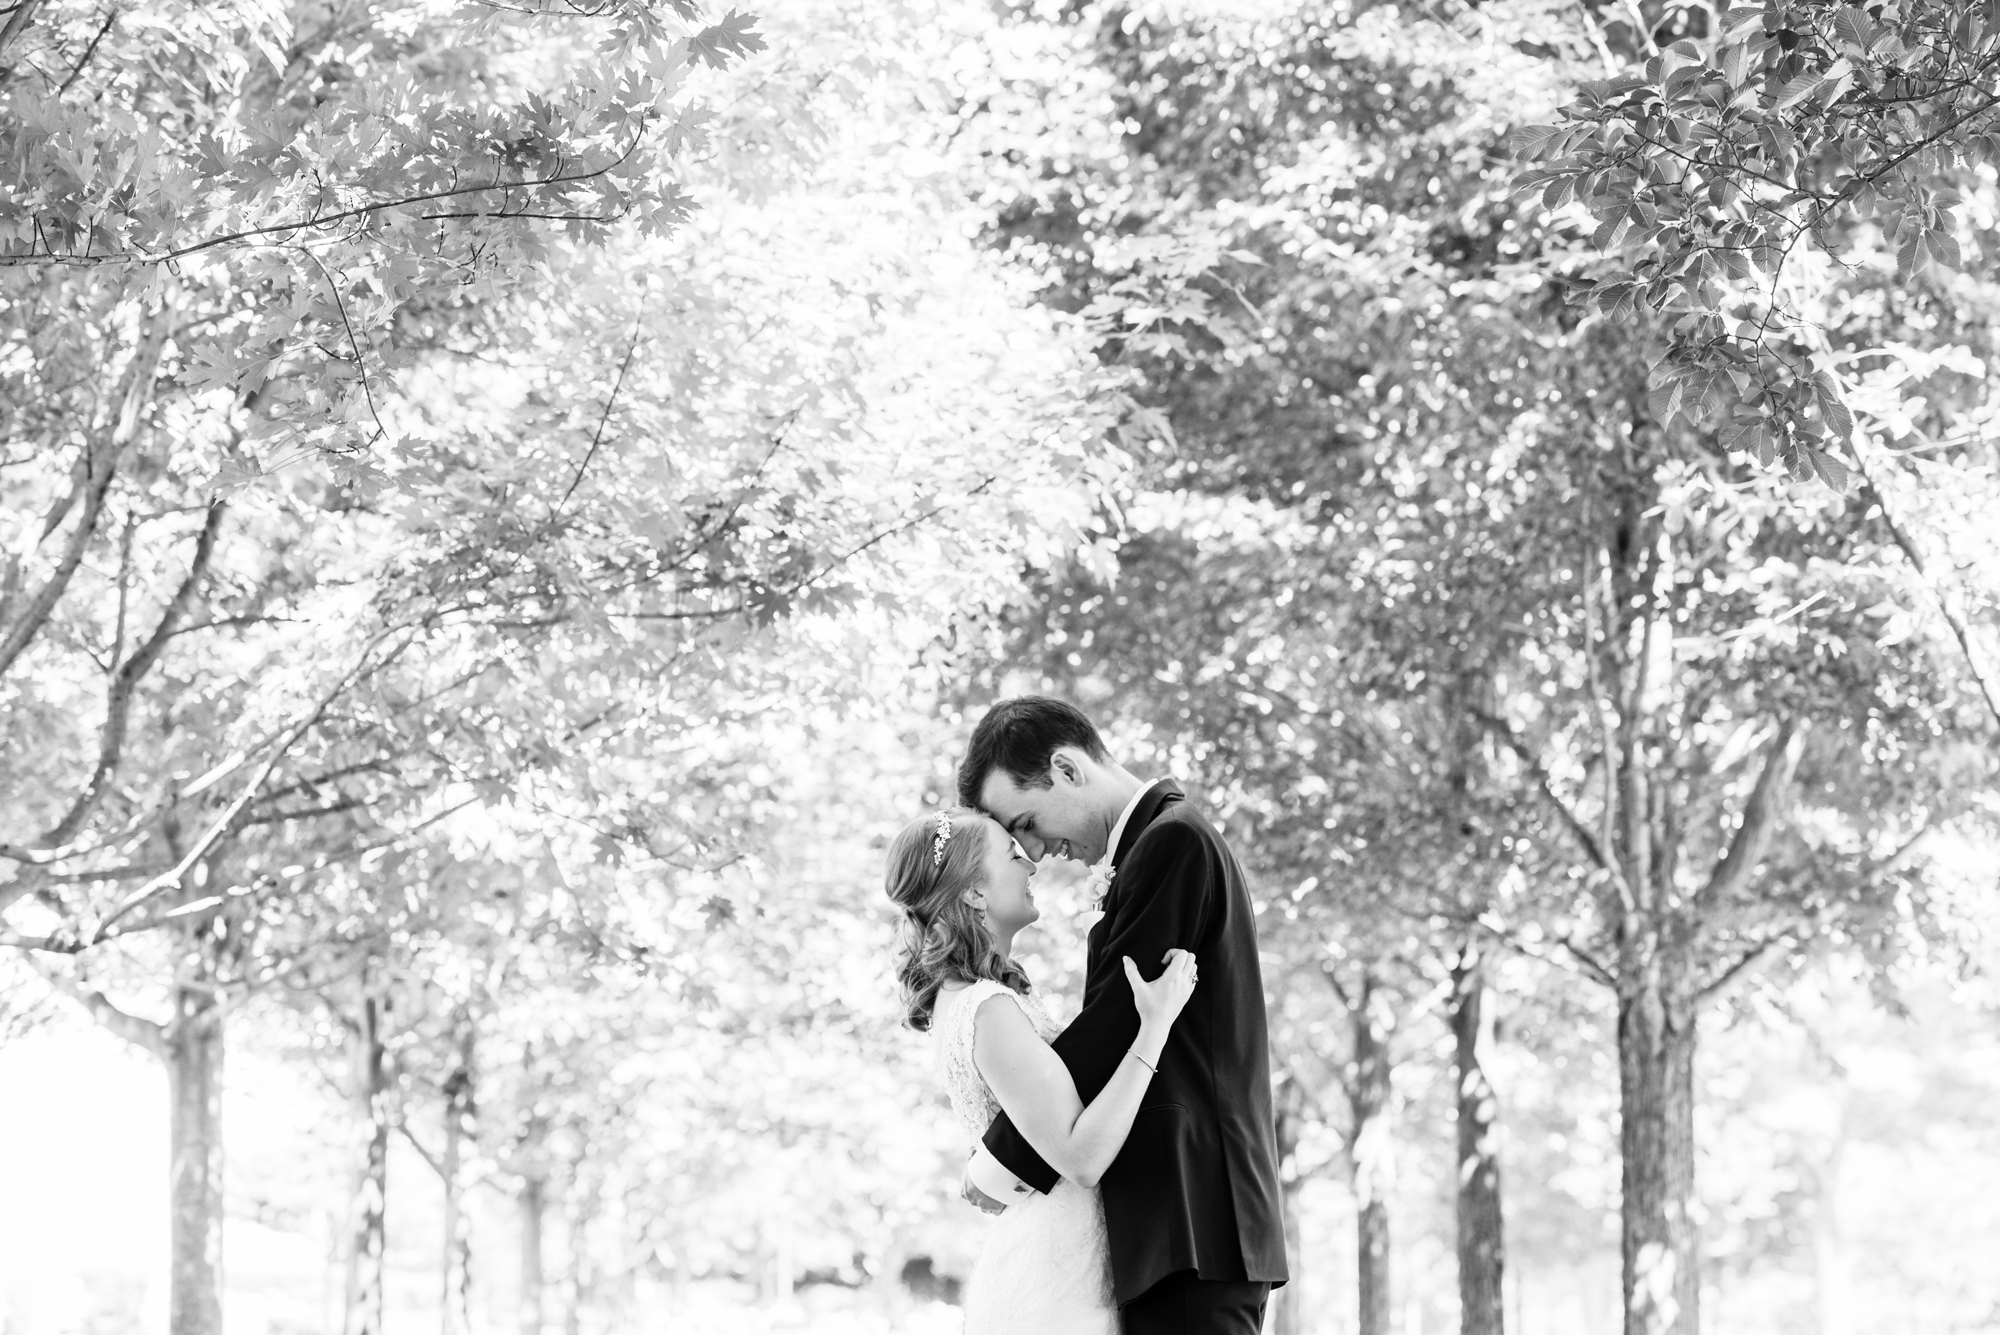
1162	900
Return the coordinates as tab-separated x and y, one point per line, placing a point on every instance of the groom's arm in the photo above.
1163	902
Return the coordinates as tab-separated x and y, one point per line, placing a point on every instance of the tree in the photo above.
474	609
309	176
1750	170
1237	659
1494	502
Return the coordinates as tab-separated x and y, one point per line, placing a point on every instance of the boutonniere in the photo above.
1097	883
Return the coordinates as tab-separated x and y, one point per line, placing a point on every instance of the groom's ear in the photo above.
1063	765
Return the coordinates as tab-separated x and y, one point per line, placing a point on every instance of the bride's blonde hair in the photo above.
943	937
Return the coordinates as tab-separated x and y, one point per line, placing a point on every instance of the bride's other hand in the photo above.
1160	1001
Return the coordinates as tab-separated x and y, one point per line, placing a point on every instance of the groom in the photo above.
1192	1201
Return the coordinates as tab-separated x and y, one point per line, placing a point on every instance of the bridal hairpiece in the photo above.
943	834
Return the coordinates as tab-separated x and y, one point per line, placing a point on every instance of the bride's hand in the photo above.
1160	1001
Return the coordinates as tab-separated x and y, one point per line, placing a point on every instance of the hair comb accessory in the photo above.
943	834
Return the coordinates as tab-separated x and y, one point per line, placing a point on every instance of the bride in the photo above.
962	884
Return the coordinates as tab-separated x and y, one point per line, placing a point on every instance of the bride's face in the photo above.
1009	901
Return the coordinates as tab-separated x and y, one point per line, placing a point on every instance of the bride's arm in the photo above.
1035	1089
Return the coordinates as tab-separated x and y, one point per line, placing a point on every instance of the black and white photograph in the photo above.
999	667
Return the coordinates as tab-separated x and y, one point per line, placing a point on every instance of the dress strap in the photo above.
965	1006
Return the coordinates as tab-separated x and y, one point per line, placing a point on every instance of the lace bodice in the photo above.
952	1027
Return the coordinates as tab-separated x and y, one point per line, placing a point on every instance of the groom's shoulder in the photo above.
1180	822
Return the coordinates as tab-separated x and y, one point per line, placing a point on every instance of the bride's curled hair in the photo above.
943	937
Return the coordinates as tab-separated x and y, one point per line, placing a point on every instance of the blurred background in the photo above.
509	508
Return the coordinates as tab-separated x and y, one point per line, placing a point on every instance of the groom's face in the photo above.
1058	819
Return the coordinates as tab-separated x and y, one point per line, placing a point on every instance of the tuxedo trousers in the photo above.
1185	1304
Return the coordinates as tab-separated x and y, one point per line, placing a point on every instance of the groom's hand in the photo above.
969	1190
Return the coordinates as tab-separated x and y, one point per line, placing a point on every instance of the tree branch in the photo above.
353	343
17	23
172	877
1590	965
1608	820
320	222
88	52
597	437
1744	961
140	1033
118	701
100	464
435	1163
1571	821
1762	815
1960	630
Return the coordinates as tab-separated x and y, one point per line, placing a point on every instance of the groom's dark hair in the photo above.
1017	737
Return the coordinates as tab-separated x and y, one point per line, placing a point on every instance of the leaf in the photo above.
1741	17
234	475
1619	301
1683	79
1531	141
1713	397
1833	409
1943	247
1854	29
1761	445
736	35
1837	474
1796	463
1911	256
1735	64
1663	401
1736	435
358	474
1796	91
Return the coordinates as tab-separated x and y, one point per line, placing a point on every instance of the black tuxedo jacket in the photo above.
1196	1186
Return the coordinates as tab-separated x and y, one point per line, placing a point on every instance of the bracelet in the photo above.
1134	1054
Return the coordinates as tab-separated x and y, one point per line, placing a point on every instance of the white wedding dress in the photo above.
1046	1268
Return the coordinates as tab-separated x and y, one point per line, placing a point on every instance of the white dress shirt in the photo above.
1124	817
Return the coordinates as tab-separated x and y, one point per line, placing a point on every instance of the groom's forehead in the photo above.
1003	798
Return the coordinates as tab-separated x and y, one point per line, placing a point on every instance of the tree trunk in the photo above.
1481	1234
190	1047
193	1054
577	1278
460	1138
1832	1294
532	1205
368	1226
1373	1154
1656	1037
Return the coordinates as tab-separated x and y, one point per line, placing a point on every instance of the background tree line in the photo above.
507	507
